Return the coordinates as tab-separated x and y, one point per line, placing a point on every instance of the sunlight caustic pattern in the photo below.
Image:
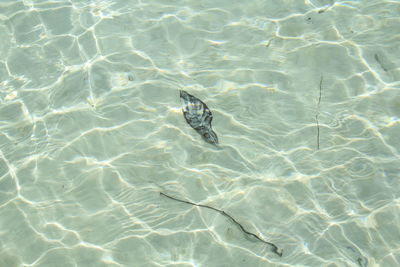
91	131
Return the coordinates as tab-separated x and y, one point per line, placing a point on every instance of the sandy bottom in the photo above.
306	106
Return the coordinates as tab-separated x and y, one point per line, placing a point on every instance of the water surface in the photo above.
306	105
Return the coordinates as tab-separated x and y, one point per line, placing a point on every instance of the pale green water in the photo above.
91	131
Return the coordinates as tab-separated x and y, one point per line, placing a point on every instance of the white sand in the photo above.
91	131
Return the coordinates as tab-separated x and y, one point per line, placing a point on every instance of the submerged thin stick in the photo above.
274	247
380	62
316	115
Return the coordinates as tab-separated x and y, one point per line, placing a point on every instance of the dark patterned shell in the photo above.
198	116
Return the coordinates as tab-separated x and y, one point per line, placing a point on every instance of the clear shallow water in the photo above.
91	131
